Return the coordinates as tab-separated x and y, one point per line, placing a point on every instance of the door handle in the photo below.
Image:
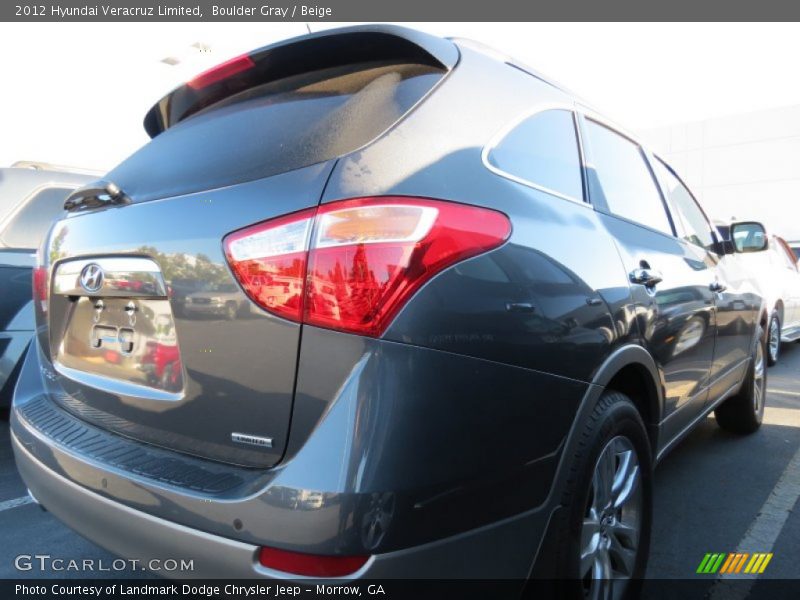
645	277
716	286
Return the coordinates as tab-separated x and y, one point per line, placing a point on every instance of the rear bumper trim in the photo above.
503	549
132	533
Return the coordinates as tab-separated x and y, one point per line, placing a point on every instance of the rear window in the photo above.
276	127
29	225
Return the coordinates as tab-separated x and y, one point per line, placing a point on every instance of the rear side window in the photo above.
620	178
276	127
30	224
685	209
542	151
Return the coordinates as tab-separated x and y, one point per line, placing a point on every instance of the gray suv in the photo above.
480	313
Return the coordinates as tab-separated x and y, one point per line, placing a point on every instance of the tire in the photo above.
597	531
744	412
773	340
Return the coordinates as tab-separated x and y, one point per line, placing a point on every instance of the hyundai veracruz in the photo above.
478	315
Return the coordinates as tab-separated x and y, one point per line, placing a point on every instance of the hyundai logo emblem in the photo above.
92	277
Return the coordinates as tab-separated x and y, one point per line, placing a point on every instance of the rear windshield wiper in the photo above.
97	194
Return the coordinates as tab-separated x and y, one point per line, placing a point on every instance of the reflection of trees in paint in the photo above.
183	266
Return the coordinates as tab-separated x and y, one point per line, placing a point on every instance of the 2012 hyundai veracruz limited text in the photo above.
477	316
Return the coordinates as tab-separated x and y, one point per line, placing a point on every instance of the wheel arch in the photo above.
632	370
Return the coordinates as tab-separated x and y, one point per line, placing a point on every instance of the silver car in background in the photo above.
778	276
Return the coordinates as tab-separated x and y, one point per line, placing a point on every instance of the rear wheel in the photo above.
604	542
744	412
774	340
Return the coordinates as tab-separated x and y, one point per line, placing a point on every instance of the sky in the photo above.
76	93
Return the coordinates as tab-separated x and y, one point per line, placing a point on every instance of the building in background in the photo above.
744	166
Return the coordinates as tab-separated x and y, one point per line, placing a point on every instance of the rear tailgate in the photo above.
126	361
202	369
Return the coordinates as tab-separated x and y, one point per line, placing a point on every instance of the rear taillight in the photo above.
310	565
269	260
40	287
351	265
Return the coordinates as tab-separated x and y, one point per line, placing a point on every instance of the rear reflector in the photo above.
352	265
223	71
310	565
40	287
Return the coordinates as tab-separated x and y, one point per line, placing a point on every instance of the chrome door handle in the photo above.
645	277
716	286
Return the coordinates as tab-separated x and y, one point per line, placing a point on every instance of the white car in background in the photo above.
795	246
779	280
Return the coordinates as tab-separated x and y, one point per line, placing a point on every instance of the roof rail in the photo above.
43	166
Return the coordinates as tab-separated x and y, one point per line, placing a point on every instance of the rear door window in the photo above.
620	179
542	151
30	223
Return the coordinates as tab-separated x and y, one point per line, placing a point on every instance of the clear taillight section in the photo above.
351	265
269	260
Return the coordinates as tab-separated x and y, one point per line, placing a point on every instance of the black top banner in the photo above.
402	11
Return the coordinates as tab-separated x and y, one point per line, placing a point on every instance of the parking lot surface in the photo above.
716	492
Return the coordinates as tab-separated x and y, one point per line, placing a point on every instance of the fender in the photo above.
629	354
626	355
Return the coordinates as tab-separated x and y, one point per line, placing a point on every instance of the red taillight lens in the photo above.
223	71
370	255
40	287
367	257
310	565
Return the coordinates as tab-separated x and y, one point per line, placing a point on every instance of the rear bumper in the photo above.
447	508
139	536
131	533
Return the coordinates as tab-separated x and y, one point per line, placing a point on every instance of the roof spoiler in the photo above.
322	50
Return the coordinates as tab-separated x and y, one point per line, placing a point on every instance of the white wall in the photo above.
745	166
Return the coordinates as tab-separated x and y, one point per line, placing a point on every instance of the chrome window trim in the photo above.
498	137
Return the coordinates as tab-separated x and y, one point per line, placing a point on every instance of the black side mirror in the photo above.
749	236
725	247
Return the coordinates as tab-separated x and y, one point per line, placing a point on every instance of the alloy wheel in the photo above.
759	379
774	339
612	522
